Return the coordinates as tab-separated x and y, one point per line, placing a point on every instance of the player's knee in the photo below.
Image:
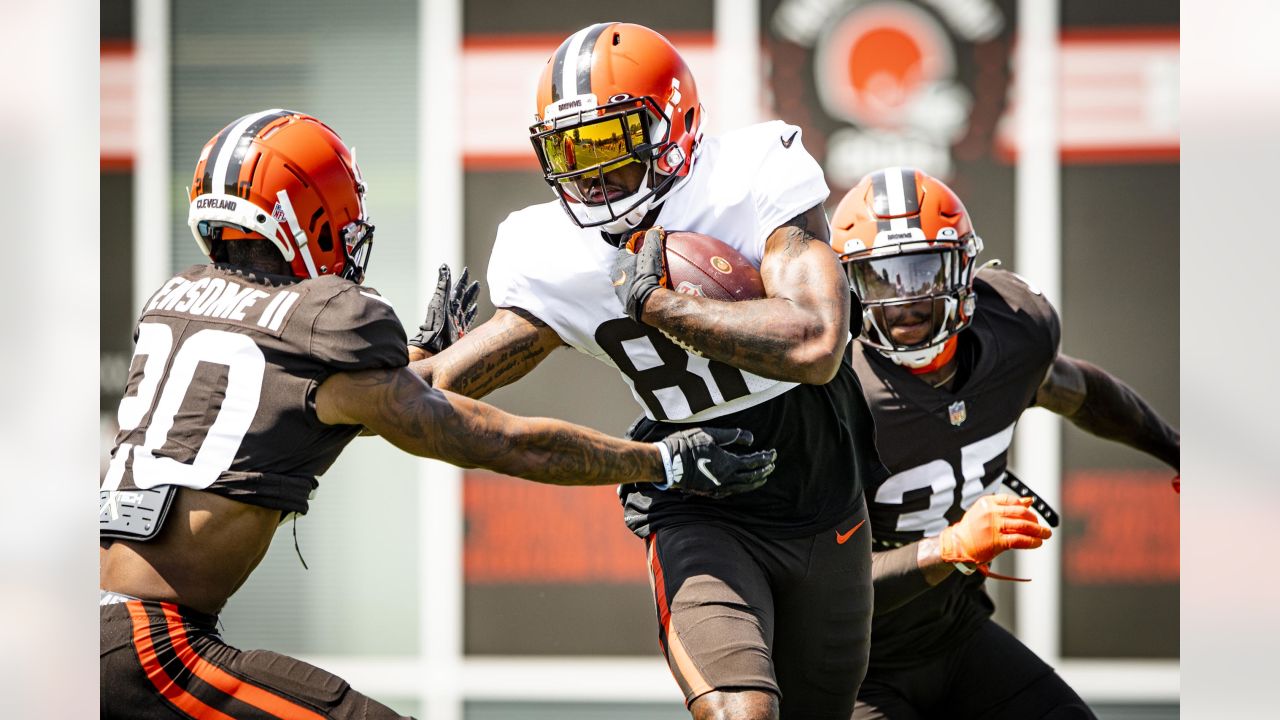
735	705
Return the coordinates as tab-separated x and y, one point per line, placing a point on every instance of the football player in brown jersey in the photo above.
250	376
950	356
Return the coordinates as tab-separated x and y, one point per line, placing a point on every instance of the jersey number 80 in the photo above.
664	385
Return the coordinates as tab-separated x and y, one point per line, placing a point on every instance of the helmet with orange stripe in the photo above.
288	178
618	124
909	249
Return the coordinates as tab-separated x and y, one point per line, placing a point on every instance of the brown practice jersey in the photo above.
221	391
946	449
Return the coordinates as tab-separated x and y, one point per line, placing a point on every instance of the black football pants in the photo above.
991	676
738	611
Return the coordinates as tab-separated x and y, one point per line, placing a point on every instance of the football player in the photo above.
250	376
765	596
950	356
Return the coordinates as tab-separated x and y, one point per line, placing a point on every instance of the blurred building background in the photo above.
452	595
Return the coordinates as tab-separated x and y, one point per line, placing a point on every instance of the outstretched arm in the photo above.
1098	403
797	333
498	352
419	419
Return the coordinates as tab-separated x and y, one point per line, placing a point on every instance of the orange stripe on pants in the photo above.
217	677
679	662
184	700
659	586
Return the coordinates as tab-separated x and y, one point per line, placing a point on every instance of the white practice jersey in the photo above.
744	184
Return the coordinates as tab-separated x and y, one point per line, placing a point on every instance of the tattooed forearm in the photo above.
562	454
465	432
495	354
797	333
503	359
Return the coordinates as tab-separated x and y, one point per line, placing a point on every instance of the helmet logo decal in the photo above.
569	105
891	236
947	233
215	203
853	245
674	101
299	238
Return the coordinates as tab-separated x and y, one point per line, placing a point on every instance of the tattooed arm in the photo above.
421	420
1098	403
797	332
500	351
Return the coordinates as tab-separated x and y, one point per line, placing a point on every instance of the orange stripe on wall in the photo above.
1128	524
523	532
502	162
184	700
1162	35
227	683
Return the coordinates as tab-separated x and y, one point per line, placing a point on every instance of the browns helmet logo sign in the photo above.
892	77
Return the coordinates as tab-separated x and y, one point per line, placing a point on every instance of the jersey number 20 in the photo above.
162	394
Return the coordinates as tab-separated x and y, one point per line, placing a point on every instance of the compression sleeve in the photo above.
897	578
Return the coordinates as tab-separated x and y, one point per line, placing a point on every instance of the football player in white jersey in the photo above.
763	600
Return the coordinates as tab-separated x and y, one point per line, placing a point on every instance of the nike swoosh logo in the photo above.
620	280
702	468
842	538
787	143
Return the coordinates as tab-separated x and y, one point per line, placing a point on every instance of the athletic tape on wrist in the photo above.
666	466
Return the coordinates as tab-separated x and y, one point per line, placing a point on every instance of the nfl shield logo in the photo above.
957	412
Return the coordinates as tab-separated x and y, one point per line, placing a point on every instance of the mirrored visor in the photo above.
597	144
903	276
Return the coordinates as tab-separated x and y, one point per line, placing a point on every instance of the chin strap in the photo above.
940	360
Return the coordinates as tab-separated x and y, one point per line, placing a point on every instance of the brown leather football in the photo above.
699	264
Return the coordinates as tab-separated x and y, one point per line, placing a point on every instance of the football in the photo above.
699	264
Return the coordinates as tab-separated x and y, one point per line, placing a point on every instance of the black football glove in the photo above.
449	314
698	463
637	274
